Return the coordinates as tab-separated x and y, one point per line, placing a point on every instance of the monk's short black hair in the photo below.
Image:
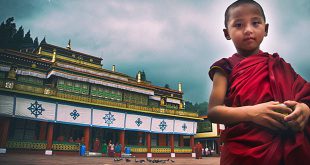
241	2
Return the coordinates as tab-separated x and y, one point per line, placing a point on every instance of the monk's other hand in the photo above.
299	117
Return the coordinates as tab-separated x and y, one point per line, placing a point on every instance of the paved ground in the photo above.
33	159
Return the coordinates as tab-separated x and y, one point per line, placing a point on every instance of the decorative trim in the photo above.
89	119
25	72
171	100
157	98
92	72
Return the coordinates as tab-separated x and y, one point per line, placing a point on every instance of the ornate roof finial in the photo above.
180	87
69	44
139	77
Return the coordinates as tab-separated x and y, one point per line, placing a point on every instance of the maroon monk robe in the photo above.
198	151
96	145
257	79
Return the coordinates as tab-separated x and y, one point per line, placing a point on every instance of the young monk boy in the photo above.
259	97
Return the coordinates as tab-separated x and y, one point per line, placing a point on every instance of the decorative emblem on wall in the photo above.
74	114
162	125
184	127
138	122
36	109
109	118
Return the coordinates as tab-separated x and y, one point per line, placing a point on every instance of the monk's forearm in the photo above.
228	115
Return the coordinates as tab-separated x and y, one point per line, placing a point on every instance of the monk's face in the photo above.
246	28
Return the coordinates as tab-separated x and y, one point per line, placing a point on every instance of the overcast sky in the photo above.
172	41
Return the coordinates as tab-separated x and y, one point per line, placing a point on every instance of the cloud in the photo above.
173	41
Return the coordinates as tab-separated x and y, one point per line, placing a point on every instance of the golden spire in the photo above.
69	44
139	77
54	55
180	87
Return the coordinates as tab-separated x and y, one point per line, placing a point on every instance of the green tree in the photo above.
200	108
18	38
11	38
7	31
36	42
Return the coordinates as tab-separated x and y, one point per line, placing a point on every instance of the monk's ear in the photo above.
266	29
226	34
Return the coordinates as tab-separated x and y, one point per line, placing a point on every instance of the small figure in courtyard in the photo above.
96	145
198	151
118	149
60	138
70	140
104	149
78	140
83	140
110	149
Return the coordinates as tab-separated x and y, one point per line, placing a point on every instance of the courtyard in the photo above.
33	159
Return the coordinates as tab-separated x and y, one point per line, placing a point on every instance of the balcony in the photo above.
49	92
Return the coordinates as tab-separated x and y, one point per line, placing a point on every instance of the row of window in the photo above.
30	80
153	103
72	83
72	89
172	106
135	98
106	93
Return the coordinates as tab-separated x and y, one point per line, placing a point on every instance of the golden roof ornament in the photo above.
180	87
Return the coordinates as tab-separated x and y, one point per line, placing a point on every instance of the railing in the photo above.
41	145
66	146
75	147
182	149
28	88
26	144
137	149
89	99
159	149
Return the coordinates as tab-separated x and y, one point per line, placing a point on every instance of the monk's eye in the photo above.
238	25
256	23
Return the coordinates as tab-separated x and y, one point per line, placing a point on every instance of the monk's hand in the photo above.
270	114
299	117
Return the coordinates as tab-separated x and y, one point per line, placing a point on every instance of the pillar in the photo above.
171	138
162	140
192	145
42	134
4	133
148	144
49	144
86	137
181	144
122	140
